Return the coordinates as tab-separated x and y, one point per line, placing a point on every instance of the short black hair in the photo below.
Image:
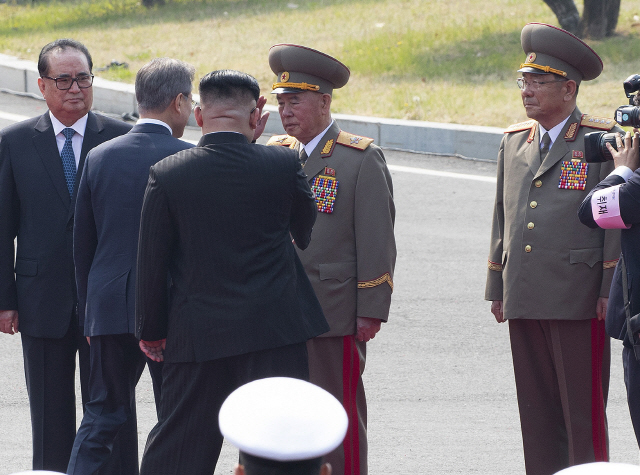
228	84
260	466
61	44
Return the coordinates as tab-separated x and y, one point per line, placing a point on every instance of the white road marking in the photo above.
395	168
13	117
424	171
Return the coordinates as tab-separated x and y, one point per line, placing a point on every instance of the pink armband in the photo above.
605	206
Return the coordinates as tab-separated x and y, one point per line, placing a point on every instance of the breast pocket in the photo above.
585	256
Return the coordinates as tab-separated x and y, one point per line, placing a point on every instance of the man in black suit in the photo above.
219	219
41	160
615	203
105	249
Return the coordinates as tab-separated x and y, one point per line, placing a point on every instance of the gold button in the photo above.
533	204
538	183
530	226
527	248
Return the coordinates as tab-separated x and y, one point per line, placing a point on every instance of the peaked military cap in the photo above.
299	68
601	468
282	422
553	50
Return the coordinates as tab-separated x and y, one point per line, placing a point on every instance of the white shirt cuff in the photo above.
624	172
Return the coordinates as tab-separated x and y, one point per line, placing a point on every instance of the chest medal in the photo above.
326	189
573	175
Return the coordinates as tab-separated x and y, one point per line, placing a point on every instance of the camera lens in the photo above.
595	146
628	116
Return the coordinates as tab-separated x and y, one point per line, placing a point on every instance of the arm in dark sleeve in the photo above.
85	239
584	212
154	247
303	211
630	200
9	219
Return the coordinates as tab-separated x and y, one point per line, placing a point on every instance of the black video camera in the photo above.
595	148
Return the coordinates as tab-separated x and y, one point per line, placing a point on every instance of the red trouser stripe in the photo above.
597	397
350	378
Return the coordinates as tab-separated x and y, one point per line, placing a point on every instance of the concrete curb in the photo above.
426	137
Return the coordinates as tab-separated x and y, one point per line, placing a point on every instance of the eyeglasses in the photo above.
65	83
533	84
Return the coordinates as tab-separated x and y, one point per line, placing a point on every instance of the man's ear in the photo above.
326	102
325	469
239	470
571	89
197	112
253	119
41	86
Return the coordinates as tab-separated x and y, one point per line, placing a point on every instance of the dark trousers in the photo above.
336	365
50	370
187	438
561	369
632	382
110	415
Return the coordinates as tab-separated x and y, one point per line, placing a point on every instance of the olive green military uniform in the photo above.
352	254
549	271
350	263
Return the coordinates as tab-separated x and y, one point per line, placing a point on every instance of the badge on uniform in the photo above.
325	188
573	175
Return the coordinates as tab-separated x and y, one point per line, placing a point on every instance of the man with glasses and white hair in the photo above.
105	250
41	161
549	275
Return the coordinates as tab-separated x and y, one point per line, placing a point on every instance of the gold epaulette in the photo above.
367	284
609	264
594	122
353	141
495	266
520	126
284	140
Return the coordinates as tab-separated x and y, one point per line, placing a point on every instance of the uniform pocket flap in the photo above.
340	271
26	267
588	256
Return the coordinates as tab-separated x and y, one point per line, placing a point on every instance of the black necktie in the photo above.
544	149
303	156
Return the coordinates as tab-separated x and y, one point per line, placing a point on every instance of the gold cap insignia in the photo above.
284	77
531	58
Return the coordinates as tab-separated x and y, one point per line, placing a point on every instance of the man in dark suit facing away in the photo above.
41	161
105	250
219	219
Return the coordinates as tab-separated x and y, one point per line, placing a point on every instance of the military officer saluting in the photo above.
548	275
352	254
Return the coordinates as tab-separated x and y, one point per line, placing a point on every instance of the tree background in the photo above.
599	17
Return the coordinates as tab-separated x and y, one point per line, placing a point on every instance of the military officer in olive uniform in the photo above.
548	275
352	254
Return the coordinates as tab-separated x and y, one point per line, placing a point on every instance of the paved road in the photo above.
439	376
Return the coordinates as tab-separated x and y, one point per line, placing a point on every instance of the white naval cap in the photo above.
283	419
601	468
41	472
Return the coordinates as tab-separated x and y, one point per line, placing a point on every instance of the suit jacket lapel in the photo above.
44	142
559	149
316	163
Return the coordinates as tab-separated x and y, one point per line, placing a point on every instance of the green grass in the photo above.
435	60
